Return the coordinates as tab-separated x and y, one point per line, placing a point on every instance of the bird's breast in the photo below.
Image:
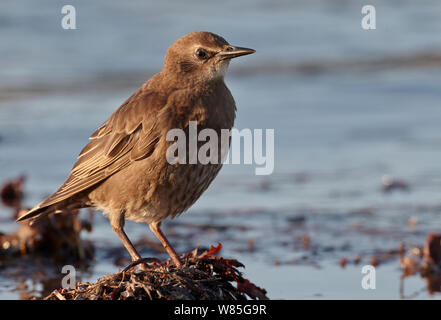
211	106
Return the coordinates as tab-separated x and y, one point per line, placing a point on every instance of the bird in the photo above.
123	170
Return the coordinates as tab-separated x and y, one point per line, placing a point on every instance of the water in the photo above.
347	105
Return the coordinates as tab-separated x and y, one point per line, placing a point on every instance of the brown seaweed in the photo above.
202	277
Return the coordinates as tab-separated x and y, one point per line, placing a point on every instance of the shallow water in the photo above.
348	106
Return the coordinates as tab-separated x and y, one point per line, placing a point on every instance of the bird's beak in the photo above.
233	52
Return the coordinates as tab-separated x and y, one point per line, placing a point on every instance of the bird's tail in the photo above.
36	213
49	206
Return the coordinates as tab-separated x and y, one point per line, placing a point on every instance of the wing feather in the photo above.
128	135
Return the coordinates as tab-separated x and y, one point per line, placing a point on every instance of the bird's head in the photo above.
201	56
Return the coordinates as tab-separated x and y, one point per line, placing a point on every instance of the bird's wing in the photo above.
128	135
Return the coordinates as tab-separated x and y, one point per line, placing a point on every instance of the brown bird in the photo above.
123	170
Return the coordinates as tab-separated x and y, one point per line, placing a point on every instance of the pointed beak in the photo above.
233	52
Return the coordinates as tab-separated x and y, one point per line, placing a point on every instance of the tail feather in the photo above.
36	213
47	207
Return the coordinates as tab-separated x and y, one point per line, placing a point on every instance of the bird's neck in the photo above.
175	81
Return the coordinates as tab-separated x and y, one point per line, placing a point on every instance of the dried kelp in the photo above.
425	262
11	194
202	277
54	236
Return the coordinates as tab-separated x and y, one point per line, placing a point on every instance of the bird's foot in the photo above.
142	264
177	262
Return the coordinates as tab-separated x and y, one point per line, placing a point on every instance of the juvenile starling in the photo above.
123	170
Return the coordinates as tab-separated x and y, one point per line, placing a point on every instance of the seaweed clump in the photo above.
425	262
57	237
202	277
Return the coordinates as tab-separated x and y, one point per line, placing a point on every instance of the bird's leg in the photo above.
127	243
117	222
154	226
129	246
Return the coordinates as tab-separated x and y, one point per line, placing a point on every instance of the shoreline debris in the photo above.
11	194
202	277
425	262
54	236
391	184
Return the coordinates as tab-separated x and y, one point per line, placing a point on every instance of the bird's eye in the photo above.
201	54
229	49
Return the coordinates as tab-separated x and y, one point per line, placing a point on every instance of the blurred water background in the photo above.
348	106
